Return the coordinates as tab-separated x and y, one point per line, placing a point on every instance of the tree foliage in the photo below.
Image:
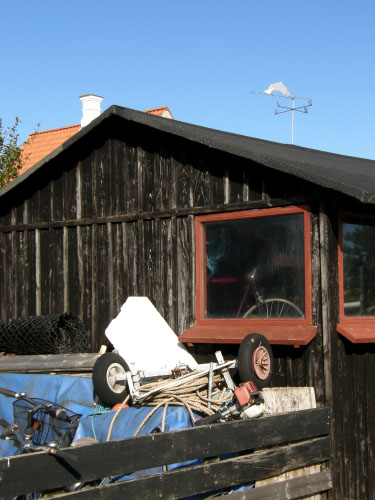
10	153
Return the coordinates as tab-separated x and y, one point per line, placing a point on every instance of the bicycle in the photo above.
268	308
263	308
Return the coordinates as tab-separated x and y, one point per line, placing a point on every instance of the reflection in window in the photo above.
255	267
359	266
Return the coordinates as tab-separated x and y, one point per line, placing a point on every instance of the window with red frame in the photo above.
253	274
357	267
252	265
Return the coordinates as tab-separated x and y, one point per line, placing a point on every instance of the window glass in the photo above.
359	266
255	267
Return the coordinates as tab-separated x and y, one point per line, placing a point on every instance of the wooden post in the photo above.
283	400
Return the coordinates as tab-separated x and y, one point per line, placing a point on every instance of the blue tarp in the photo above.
76	393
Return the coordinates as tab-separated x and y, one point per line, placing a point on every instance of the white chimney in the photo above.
90	108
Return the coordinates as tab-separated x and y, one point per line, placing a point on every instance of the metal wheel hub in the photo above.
113	370
261	362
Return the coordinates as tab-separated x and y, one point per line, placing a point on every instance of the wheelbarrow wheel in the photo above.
255	360
106	368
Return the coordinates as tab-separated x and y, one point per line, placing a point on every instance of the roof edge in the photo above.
278	156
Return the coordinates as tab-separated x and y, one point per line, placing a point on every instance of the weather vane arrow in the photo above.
283	90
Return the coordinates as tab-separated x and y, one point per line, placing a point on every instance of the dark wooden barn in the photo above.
226	235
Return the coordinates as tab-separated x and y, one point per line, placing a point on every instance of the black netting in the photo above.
52	334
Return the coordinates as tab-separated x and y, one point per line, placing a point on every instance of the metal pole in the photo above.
292	119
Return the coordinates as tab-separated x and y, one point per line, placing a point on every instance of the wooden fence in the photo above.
258	449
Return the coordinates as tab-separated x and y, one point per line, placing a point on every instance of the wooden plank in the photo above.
92	281
255	182
128	455
131	175
234	334
38	291
360	425
139	238
281	399
103	314
168	273
46	363
118	175
79	190
314	353
337	371
131	258
72	272
370	416
31	273
86	187
16	269
119	268
85	265
65	267
186	274
45	271
199	184
109	171
236	187
7	276
101	193
112	312
217	164
57	191
168	179
69	177
184	186
148	180
3	274
124	270
151	260
133	215
80	273
290	489
284	399
325	264
212	476
56	287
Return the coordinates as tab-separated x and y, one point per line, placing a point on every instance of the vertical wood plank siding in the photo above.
91	269
155	184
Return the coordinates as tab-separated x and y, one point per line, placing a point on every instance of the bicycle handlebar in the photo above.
10	394
4	423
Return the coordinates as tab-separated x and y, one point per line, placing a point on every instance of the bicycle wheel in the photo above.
274	308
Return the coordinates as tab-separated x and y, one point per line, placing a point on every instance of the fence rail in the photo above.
264	448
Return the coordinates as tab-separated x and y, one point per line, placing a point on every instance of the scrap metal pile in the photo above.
149	367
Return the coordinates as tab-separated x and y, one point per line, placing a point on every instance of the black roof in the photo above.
349	175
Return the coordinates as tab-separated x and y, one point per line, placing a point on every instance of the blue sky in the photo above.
199	57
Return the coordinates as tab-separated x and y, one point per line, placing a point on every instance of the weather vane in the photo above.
280	87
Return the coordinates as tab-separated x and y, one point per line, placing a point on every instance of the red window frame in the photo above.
357	329
292	331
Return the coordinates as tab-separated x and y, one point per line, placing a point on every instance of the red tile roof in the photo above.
165	112
40	144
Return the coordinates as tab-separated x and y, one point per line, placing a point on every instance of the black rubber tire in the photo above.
252	345
107	364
